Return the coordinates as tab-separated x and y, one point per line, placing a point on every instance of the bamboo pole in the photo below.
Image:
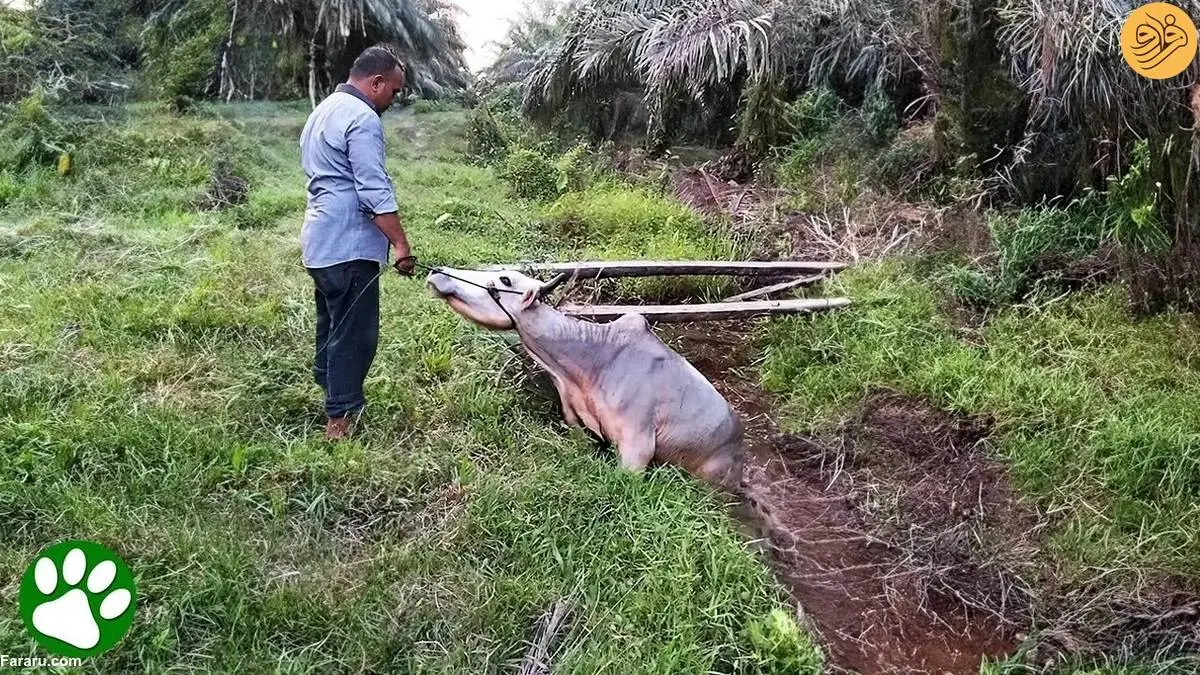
652	268
716	311
775	288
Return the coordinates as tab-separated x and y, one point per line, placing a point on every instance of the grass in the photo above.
155	396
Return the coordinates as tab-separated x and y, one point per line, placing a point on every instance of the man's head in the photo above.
378	73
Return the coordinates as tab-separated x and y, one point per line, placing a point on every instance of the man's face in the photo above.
383	89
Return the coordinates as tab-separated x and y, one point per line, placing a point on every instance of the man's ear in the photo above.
528	299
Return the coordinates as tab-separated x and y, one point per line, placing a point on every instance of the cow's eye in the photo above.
505	281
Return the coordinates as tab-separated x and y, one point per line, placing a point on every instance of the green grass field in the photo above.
155	396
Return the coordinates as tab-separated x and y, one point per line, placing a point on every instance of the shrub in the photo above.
879	117
578	168
32	135
181	53
486	141
8	189
530	175
905	163
424	106
621	218
264	209
814	113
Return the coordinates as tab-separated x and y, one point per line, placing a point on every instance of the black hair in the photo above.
377	60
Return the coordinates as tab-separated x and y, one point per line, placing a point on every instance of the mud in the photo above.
873	530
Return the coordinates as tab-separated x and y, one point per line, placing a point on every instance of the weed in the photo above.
1034	248
487	143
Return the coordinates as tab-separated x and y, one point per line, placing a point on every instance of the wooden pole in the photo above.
775	288
716	311
653	268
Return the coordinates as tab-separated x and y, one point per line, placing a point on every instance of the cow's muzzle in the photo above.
440	285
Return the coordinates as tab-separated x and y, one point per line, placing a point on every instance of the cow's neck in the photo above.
572	348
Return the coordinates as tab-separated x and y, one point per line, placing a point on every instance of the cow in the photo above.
617	379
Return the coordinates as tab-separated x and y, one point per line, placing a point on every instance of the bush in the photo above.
905	163
879	117
814	113
263	210
32	135
578	169
181	55
505	97
487	143
621	218
8	189
530	175
613	222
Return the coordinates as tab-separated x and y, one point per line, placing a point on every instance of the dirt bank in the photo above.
873	531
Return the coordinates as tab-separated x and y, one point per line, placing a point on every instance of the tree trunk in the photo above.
226	67
980	109
312	72
226	90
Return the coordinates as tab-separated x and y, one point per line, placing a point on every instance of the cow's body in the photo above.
617	379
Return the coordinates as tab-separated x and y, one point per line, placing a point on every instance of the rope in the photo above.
492	292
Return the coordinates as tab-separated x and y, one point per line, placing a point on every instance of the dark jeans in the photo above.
347	296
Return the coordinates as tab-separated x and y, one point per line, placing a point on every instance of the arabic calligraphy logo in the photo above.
1159	40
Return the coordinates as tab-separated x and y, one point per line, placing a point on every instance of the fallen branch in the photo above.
716	311
652	268
537	657
775	288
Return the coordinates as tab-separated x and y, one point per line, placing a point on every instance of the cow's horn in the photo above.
554	283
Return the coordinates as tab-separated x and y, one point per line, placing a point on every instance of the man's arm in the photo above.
365	149
389	225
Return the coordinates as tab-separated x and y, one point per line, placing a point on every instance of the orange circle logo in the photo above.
1158	40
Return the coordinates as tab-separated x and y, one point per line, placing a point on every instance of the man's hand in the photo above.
405	262
389	225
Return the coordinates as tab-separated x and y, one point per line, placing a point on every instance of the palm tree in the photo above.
529	39
331	32
676	54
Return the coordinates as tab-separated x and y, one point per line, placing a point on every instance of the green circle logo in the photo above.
77	599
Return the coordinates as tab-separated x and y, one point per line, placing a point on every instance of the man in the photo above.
350	221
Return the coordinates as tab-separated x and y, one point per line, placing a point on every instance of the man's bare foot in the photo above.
338	428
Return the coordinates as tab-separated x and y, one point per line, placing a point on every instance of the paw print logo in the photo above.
78	599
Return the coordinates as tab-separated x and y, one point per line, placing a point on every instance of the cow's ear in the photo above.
528	298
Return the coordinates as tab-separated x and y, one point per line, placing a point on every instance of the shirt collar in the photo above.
347	88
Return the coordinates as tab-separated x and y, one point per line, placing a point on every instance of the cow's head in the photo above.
467	292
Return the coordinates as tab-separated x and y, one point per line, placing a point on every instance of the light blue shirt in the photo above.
342	151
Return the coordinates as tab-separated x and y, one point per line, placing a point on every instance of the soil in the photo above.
872	531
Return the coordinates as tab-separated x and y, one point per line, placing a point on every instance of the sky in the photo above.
484	21
481	21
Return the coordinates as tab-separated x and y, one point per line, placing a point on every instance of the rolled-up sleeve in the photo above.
365	149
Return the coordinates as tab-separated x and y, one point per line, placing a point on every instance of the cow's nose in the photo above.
438	283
